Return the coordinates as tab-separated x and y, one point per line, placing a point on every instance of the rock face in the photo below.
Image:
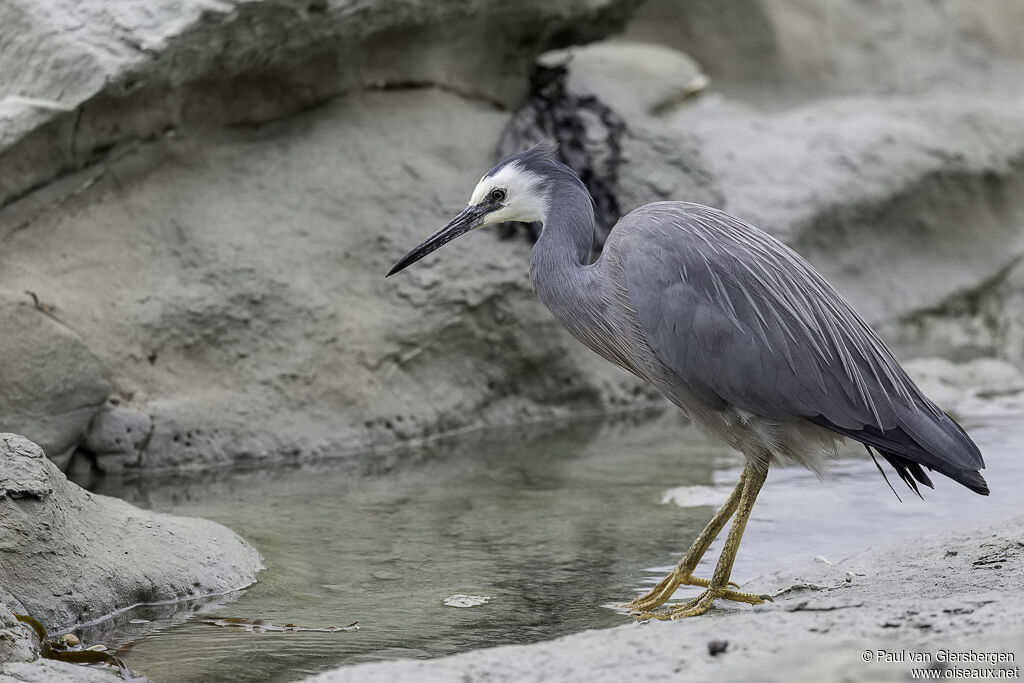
52	383
837	45
231	278
634	79
68	556
982	387
244	306
80	77
956	593
48	671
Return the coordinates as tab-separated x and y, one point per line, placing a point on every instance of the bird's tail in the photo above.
923	439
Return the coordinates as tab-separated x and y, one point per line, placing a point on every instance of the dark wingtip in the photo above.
907	455
920	475
973	480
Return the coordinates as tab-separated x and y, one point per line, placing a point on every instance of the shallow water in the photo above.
552	524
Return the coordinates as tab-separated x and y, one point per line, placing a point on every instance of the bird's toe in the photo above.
661	593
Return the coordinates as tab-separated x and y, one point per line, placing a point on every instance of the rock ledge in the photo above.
68	556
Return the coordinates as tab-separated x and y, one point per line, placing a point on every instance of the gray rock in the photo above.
238	287
49	671
117	436
982	387
985	320
255	324
634	79
957	593
52	384
26	471
773	48
68	556
79	77
15	642
664	165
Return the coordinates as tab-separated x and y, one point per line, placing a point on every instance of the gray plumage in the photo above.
738	331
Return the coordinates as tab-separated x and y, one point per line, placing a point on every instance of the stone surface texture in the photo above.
69	557
52	383
221	253
81	76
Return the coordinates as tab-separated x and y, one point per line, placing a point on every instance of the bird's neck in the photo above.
566	241
573	289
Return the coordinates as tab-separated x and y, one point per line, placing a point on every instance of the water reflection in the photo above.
125	628
550	522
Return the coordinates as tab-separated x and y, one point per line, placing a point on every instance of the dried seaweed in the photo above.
261	625
69	649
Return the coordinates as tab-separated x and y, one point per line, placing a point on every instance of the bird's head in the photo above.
516	189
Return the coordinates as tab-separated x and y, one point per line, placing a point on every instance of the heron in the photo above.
734	328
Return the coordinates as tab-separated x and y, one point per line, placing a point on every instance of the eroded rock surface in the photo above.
238	291
982	387
635	79
68	556
49	671
230	274
52	384
79	77
787	47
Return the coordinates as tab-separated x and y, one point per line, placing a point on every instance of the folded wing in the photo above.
736	314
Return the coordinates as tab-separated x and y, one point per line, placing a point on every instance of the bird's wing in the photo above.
737	315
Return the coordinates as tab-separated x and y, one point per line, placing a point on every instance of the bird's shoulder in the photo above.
674	223
667	243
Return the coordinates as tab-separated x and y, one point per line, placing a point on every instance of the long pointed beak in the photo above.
470	218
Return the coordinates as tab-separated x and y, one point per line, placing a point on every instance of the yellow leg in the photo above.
719	581
682	575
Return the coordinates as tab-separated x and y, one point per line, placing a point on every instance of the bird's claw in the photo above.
661	593
702	603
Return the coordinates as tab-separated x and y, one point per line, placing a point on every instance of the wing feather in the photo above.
738	316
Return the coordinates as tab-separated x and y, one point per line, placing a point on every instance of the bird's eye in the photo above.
498	194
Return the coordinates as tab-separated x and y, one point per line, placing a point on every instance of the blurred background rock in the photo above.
200	199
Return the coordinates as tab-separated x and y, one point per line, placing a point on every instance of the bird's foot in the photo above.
702	603
660	594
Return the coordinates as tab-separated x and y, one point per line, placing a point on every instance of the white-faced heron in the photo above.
733	327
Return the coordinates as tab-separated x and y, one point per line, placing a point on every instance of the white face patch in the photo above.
525	198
